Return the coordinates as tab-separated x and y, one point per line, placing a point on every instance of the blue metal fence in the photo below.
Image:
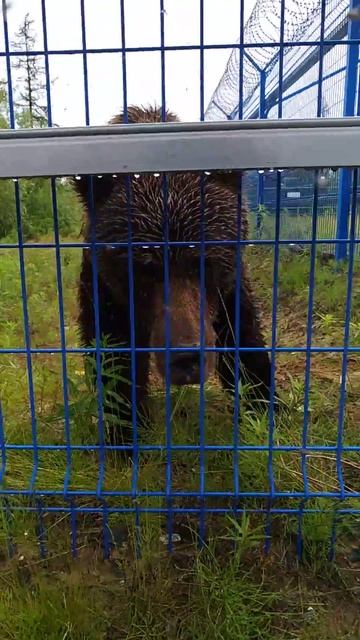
200	499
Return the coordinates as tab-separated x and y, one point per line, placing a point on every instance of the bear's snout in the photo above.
185	368
185	333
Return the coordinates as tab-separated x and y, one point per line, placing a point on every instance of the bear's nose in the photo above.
185	368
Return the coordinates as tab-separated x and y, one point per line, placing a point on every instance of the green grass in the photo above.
299	227
216	593
228	590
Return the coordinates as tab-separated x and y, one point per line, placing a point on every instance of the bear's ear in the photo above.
141	114
231	180
99	186
102	186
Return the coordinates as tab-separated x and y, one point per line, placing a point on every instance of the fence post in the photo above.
261	176
343	205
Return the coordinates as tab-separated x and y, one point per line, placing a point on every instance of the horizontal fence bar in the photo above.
181	47
166	127
186	447
117	245
170	147
185	510
88	493
81	350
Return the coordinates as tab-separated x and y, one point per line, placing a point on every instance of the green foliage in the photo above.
7	203
236	606
7	208
3	106
37	210
37	216
73	612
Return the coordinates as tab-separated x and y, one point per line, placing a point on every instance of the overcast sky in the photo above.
222	24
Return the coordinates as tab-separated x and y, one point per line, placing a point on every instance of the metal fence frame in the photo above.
175	148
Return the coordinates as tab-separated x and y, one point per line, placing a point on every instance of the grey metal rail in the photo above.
254	144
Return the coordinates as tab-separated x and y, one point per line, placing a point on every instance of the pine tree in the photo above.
36	200
30	98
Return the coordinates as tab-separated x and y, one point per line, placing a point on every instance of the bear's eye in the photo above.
148	268
192	268
212	272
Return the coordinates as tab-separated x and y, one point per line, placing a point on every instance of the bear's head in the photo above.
178	258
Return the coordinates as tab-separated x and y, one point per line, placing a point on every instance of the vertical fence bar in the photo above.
73	529
85	65
202	519
106	530
236	435
236	417
137	532
272	487
347	319
281	59
134	409
32	400
319	110
131	284
309	325
32	403
12	124
99	382
2	447
240	111
275	293
309	328
202	66
8	66
123	59
47	68
95	282
62	339
299	537
343	204
261	176
58	269
168	417
343	381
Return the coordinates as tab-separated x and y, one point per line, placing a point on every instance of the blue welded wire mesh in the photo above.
297	32
314	85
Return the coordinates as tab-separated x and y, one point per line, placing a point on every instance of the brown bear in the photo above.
188	208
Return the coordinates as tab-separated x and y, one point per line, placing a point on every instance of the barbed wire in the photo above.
301	23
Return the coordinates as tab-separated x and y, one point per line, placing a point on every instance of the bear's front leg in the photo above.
117	372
